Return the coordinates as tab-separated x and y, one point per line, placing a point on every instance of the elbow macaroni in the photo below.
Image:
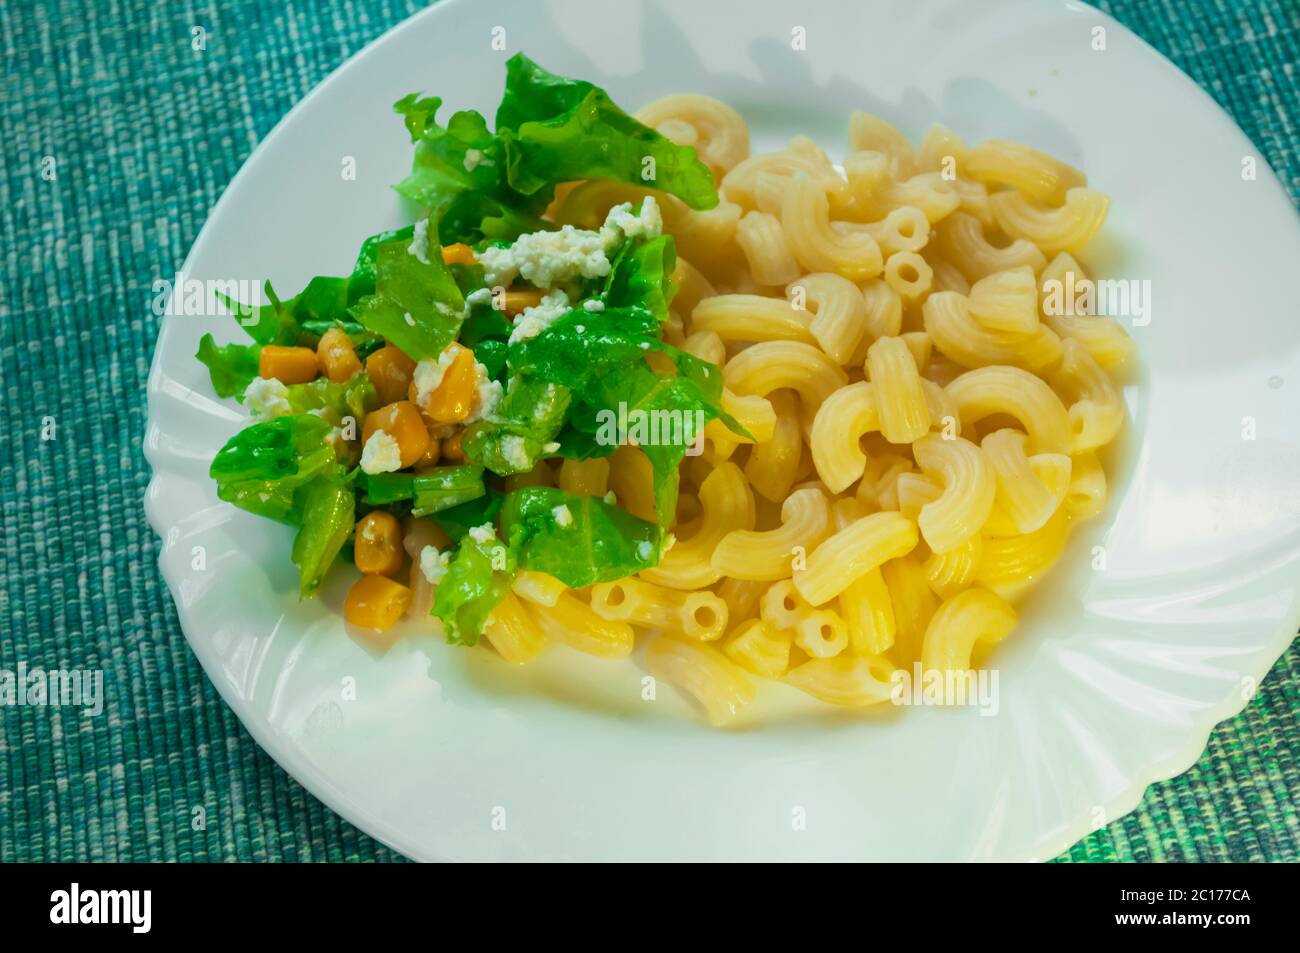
926	396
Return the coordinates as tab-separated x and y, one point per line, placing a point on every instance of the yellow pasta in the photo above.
915	354
849	681
853	552
970	618
704	673
769	554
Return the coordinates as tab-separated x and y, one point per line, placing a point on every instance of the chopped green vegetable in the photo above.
579	540
231	366
416	305
261	468
477	579
328	511
431	492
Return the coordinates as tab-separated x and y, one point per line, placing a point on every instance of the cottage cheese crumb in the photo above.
267	397
644	550
648	223
481	296
514	451
533	321
563	517
593	306
487	395
472	158
381	454
482	534
419	246
434	564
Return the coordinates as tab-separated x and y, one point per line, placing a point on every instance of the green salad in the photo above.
465	349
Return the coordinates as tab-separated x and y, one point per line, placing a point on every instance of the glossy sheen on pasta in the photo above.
924	433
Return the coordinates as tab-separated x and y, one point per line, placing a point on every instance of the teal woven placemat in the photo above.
118	137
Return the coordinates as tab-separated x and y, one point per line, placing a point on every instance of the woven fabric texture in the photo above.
142	133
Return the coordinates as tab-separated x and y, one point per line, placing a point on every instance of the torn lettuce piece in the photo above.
231	366
555	129
477	578
579	540
323	303
457	173
641	276
328	508
417	305
458	520
261	468
431	492
335	401
522	426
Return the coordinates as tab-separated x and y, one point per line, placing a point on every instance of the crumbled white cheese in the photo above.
550	258
579	328
381	454
482	534
644	549
472	158
563	517
481	296
409	320
419	246
267	397
428	373
551	447
434	564
487	394
648	223
514	451
533	321
593	306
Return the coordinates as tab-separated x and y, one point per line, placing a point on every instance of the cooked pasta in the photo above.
932	407
918	395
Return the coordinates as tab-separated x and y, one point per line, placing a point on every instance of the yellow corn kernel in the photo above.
390	370
337	356
458	254
376	602
288	365
401	421
453	398
377	544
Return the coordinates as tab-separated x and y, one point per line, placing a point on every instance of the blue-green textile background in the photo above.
146	133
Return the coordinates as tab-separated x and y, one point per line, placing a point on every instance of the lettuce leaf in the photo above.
231	366
261	468
603	367
328	507
477	578
494	186
457	174
526	420
352	398
641	276
416	305
599	542
555	129
438	489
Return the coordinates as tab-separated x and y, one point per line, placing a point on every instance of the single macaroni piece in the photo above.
573	623
1025	169
1010	564
963	242
768	554
771	365
970	618
1006	301
718	133
698	615
839	313
760	648
820	244
773	464
762	239
853	552
704	673
837	431
1067	300
513	632
752	318
1053	229
1096	408
1010	390
899	396
850	681
727	508
1023	495
955	332
538	587
968	491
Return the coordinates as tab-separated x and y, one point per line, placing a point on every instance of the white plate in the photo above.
1115	677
